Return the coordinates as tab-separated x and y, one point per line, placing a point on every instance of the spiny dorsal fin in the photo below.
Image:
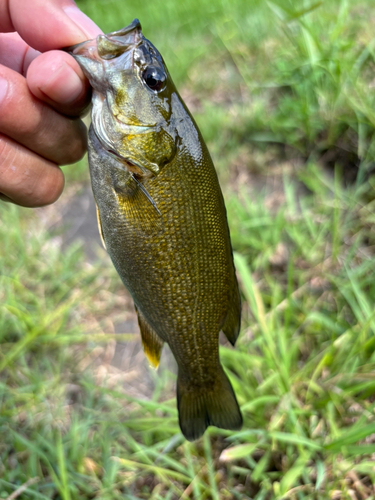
152	343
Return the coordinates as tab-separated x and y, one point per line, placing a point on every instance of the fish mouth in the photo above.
109	54
116	43
108	46
125	49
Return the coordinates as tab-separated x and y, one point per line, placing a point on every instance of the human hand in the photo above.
42	95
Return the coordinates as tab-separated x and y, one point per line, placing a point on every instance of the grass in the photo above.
284	98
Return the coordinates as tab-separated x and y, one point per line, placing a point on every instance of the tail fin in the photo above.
203	406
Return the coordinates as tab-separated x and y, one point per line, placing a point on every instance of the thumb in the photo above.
52	24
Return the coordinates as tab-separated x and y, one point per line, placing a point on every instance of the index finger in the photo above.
47	25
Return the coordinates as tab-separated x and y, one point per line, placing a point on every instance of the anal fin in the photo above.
152	343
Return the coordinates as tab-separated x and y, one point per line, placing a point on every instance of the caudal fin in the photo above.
203	406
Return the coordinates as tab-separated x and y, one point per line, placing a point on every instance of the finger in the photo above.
26	178
47	25
15	53
37	126
56	78
53	77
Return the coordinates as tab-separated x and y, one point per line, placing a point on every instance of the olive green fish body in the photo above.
163	221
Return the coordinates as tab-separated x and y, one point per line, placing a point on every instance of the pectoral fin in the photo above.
152	343
138	206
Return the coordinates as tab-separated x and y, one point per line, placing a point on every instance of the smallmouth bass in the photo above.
162	220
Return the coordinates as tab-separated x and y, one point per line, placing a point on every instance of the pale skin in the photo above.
43	92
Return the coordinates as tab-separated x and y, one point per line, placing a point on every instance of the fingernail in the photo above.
3	88
82	21
63	86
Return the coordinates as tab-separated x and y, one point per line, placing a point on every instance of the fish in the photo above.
162	220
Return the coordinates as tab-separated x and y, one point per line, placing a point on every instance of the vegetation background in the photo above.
284	94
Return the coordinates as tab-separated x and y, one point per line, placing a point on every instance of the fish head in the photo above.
131	98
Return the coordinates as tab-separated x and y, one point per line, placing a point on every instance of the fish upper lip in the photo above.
134	26
71	48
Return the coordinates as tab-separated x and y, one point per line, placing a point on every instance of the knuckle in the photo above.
51	187
43	130
74	144
26	178
7	156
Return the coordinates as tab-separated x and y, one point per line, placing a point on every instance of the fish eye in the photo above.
154	78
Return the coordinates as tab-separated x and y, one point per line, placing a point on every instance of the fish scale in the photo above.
162	217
